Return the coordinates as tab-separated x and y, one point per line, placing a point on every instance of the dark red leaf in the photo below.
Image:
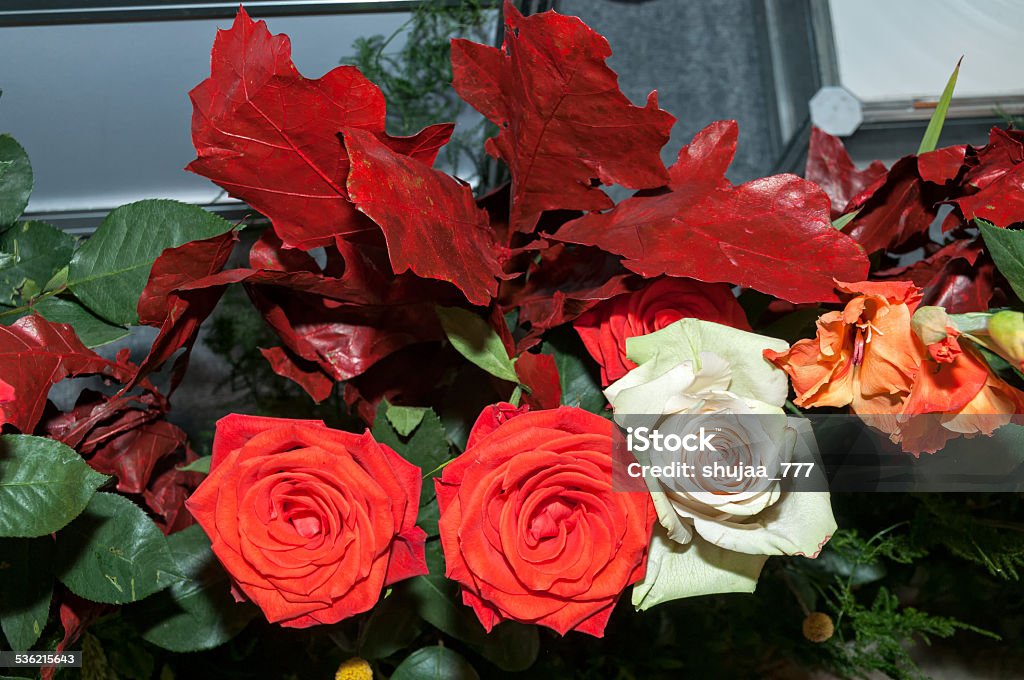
132	456
1001	202
1004	151
952	277
168	490
941	165
772	234
540	373
307	374
35	355
900	209
430	221
76	615
270	137
830	167
564	122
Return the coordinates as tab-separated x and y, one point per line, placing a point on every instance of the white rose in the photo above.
714	540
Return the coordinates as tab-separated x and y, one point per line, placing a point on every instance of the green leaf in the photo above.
198	612
109	271
843	220
40	251
43	485
405	418
477	341
931	134
581	385
198	465
1007	249
393	625
427	448
26	588
114	553
430	514
15	180
90	329
434	663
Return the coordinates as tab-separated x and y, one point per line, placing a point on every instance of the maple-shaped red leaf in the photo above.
830	167
564	122
269	136
772	234
35	355
430	221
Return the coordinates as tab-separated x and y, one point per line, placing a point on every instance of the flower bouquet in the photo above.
453	508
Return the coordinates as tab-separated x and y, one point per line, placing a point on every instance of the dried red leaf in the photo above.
269	136
707	229
36	354
830	167
564	122
430	221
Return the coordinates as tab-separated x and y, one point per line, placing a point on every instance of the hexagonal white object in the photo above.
836	111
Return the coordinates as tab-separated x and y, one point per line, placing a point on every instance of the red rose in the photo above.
604	328
310	522
531	527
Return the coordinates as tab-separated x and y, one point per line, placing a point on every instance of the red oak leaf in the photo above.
430	221
830	167
269	136
36	354
772	234
564	122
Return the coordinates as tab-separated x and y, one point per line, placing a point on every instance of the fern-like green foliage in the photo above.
968	528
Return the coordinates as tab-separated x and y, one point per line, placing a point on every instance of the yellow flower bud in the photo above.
1006	329
354	669
818	627
930	324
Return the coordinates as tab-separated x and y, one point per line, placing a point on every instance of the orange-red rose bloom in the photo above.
532	529
605	328
310	522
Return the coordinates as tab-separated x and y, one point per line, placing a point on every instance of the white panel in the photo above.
103	110
899	50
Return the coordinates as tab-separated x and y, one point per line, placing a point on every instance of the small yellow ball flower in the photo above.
354	669
818	627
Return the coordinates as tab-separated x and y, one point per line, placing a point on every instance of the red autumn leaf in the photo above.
564	282
951	277
307	374
412	376
830	167
430	221
166	302
941	165
132	456
270	137
900	209
1004	151
168	490
1000	202
772	234
564	122
36	354
539	373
